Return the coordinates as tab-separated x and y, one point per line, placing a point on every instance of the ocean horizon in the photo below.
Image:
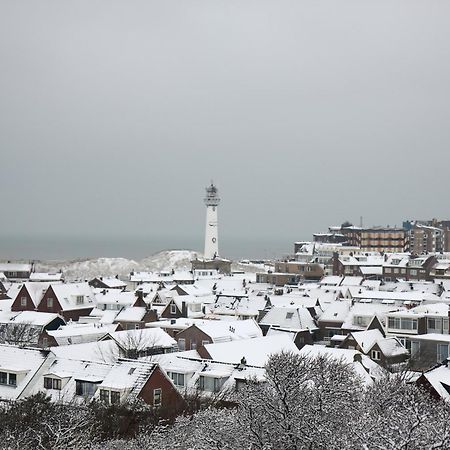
61	248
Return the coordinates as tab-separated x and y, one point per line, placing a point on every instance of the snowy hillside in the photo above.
163	261
90	268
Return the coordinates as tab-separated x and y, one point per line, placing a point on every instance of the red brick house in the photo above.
216	331
71	300
130	379
29	296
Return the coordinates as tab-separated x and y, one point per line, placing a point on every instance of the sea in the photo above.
61	248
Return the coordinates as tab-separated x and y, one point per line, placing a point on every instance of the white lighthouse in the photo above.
212	201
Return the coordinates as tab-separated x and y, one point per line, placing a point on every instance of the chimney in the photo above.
184	309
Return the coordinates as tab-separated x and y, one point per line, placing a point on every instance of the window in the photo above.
104	396
49	302
3	378
173	308
177	378
289	315
23	301
205	342
415	348
402	323
437	325
375	355
442	352
115	397
79	299
12	381
85	388
210	384
45	342
157	397
52	383
413	272
182	344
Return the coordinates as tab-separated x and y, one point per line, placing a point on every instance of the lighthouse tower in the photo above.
212	201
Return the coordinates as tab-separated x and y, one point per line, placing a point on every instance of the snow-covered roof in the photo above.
429	310
371	284
13	290
297	318
224	331
131	314
351	281
439	378
111	282
71	370
371	270
256	351
282	331
15	267
23	362
35	318
115	297
67	295
362	260
391	346
336	311
78	333
363	366
45	276
413	296
102	351
195	290
143	338
436	337
128	375
366	339
331	280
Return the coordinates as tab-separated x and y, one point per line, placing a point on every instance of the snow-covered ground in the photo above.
163	261
90	268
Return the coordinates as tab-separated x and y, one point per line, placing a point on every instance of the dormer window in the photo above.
177	378
79	299
23	301
109	397
210	384
12	379
52	383
289	315
85	388
9	379
49	302
173	308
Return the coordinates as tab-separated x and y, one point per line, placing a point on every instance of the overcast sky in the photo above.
114	115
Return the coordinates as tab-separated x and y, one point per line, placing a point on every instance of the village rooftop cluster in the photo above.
353	294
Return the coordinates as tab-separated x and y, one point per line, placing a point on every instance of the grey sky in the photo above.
114	115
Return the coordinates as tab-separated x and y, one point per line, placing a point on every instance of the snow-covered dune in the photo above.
90	268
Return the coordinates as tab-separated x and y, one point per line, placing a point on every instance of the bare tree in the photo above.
131	344
21	334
